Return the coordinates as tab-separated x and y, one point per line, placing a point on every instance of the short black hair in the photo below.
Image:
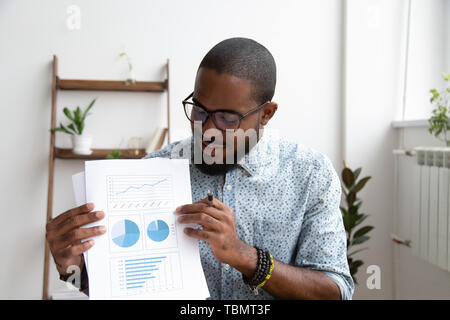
246	59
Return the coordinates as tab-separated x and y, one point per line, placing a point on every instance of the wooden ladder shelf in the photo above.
61	153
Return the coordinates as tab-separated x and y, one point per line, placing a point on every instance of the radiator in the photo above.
431	219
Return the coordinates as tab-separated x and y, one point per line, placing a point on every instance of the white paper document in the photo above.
144	253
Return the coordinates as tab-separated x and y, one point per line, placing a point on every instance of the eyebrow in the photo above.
199	103
205	108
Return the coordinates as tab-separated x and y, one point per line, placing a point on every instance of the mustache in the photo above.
213	144
212	141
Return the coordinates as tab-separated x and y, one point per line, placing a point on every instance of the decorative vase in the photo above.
81	144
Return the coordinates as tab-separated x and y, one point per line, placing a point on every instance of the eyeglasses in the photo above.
222	119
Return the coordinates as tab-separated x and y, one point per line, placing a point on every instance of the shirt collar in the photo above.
258	158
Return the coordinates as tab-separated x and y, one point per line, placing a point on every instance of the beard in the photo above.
214	169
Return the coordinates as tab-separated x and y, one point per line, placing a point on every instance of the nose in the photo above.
211	133
209	124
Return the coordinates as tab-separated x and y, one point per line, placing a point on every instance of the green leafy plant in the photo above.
114	155
352	217
77	118
439	120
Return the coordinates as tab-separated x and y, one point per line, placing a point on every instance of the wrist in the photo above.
63	270
246	260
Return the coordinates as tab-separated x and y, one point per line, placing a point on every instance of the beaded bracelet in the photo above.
270	272
263	271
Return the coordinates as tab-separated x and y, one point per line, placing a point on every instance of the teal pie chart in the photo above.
158	230
125	233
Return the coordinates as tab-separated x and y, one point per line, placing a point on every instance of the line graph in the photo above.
141	186
139	192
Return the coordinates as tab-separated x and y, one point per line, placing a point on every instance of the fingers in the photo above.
215	219
189	208
216	203
54	223
78	221
219	210
64	234
200	208
205	235
71	237
206	221
75	250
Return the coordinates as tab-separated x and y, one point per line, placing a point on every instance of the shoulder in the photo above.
312	169
303	158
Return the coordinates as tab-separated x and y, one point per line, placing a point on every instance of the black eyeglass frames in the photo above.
223	119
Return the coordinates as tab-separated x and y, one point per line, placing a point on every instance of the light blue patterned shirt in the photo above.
286	199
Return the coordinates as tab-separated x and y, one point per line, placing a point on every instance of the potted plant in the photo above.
131	78
115	154
352	217
439	121
81	143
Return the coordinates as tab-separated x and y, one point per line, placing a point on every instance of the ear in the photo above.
267	112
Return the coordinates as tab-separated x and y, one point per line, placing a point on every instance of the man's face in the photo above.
217	91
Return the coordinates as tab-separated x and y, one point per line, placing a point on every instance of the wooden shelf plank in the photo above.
110	85
99	154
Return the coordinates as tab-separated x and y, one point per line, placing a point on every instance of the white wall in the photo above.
304	37
372	71
429	54
447	37
374	65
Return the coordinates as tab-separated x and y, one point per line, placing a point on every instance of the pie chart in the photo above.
158	230
125	233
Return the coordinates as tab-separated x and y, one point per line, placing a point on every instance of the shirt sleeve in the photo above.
322	242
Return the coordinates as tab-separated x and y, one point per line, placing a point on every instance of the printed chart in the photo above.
139	192
125	233
141	255
145	274
156	230
160	231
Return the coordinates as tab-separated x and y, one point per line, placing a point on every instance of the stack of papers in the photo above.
144	253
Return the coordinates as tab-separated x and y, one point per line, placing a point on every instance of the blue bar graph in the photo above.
145	274
137	271
138	267
134	287
140	263
153	258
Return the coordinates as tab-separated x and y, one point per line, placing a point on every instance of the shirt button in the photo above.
226	267
229	187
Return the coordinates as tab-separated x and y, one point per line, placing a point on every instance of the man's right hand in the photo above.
64	235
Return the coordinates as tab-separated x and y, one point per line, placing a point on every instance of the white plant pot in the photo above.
82	144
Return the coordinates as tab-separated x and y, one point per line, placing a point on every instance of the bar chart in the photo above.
149	273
